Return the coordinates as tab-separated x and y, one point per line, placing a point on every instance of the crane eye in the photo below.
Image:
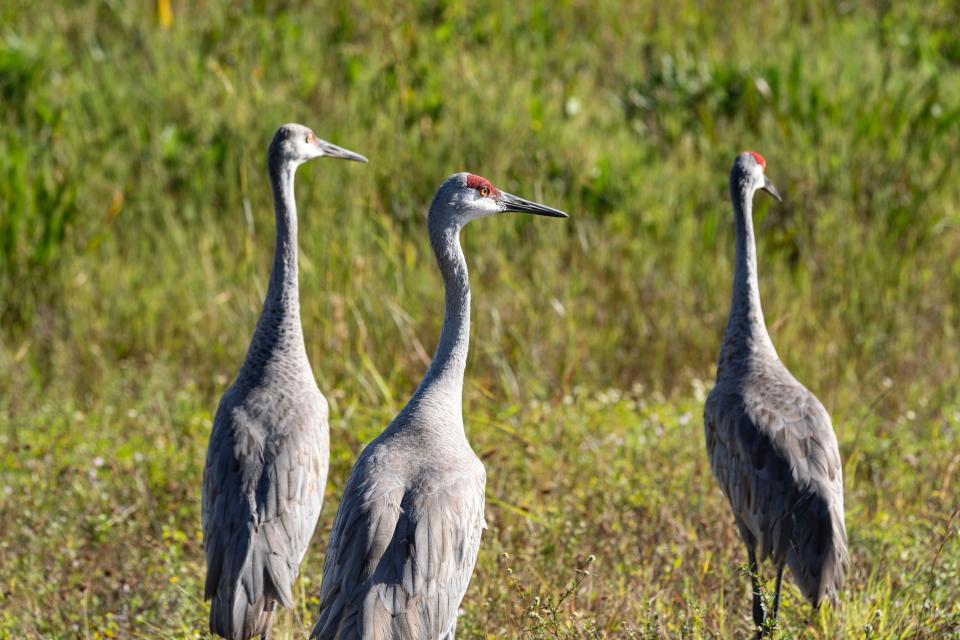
311	138
484	191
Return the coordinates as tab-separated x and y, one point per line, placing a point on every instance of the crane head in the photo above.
296	144
468	197
751	169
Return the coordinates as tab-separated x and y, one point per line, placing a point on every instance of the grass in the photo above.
136	238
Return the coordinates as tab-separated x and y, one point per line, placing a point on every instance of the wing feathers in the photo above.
774	454
400	556
262	492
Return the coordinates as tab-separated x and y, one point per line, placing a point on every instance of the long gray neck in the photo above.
746	334
441	390
279	334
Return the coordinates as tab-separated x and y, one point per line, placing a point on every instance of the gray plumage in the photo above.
407	532
771	444
267	458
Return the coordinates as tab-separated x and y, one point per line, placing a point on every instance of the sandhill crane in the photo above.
771	445
407	532
269	449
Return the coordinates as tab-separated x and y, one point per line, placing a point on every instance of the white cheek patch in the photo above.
480	207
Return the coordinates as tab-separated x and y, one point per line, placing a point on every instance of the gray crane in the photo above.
406	535
269	449
771	445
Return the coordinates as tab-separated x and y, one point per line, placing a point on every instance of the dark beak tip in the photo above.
514	204
336	152
545	212
772	190
350	155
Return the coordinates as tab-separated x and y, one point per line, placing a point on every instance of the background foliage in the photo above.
136	238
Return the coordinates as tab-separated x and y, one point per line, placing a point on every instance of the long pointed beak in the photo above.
331	150
515	203
769	188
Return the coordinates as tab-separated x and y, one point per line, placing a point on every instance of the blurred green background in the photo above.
136	236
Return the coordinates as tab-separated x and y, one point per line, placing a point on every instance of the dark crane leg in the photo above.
755	584
268	607
751	545
776	595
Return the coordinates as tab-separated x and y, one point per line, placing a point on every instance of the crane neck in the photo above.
746	334
279	331
284	278
441	390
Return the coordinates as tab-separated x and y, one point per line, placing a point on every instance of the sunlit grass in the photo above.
135	244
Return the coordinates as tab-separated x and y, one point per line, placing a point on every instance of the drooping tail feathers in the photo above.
243	600
818	555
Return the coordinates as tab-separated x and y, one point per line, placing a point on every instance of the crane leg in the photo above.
271	603
751	544
755	586
776	595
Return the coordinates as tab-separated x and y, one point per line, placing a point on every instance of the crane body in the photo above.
770	441
267	459
407	532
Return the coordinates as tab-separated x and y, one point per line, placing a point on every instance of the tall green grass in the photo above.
135	245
